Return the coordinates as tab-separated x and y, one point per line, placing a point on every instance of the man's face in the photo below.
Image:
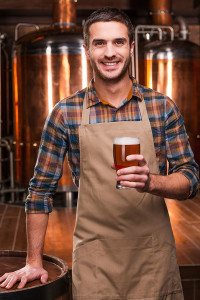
109	50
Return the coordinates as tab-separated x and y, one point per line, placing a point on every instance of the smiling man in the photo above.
110	58
123	243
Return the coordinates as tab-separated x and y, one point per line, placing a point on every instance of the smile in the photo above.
110	63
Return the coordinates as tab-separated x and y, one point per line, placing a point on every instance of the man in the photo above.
123	243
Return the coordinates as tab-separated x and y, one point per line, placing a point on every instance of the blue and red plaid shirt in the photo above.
60	137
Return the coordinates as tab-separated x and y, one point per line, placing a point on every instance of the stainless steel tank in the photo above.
48	65
173	68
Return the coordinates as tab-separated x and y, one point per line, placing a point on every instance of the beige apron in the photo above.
123	243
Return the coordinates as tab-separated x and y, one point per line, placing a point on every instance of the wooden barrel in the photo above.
57	287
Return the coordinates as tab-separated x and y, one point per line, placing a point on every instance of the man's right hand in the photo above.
24	275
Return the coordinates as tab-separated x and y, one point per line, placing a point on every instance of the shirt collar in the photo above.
92	98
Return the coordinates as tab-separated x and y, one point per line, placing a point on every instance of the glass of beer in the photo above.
122	147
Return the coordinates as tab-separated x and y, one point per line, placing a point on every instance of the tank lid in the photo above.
179	49
50	33
57	41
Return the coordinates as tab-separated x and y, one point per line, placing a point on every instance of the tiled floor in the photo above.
185	220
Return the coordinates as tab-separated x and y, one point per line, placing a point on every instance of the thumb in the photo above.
44	278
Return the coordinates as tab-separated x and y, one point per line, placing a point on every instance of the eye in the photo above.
120	42
99	43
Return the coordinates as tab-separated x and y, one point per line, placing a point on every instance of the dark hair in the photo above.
107	14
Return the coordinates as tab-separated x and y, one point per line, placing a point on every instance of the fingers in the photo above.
6	280
134	170
137	157
137	185
2	278
22	282
141	183
135	176
23	275
10	280
44	278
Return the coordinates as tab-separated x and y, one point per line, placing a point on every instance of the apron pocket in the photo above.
84	271
125	268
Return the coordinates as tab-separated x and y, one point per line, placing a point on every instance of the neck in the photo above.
111	91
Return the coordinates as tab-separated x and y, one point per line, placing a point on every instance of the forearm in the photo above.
174	186
48	169
36	226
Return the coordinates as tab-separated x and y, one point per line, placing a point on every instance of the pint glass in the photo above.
122	147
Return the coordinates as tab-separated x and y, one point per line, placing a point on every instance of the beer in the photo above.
122	147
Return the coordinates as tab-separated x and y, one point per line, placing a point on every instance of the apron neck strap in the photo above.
86	111
143	110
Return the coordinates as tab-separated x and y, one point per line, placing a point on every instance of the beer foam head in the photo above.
126	140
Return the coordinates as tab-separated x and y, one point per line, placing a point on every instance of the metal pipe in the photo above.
160	10
183	29
64	13
141	29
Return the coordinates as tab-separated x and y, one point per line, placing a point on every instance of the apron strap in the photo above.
86	111
143	110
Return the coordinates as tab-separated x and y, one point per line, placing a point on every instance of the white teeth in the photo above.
110	63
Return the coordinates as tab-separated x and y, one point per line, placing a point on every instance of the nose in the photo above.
110	50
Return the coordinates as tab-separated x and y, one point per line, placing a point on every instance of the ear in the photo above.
132	47
86	51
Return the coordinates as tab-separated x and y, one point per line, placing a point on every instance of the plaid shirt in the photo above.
60	137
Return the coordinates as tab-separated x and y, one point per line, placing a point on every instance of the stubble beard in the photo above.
115	79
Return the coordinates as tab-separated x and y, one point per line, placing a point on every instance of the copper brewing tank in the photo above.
48	65
173	68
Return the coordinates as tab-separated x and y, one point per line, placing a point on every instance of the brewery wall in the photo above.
40	13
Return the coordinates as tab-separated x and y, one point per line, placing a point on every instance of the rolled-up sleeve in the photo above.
179	152
49	164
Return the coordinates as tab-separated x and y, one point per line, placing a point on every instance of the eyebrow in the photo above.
121	39
98	40
116	39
